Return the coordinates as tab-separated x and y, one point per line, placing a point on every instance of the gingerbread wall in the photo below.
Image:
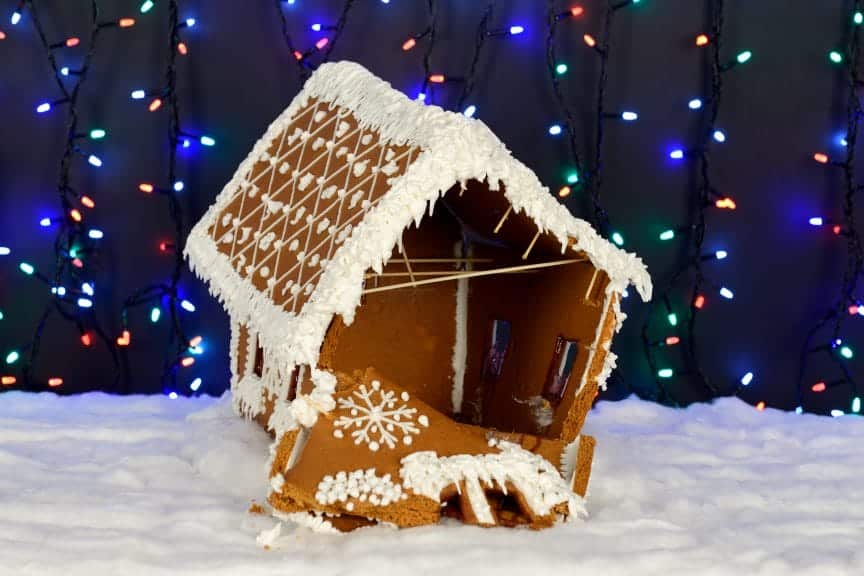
408	334
540	307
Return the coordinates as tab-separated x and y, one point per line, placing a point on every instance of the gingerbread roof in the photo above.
327	192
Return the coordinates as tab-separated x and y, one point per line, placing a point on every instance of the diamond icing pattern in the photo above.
303	197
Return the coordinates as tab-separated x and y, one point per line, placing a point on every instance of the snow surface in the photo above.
95	485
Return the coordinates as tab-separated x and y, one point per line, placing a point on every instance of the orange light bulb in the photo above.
409	44
725	204
55	382
760	406
86	339
75	214
126	22
155	104
672	340
564	192
320	44
820	158
124	338
187	361
437	78
88	202
146	187
182	48
8	380
702	40
72	42
589	40
577	11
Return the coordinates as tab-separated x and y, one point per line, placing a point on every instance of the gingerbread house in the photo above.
419	323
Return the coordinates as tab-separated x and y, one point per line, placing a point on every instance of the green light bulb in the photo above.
27	268
672	318
97	134
856	405
147	6
561	69
617	238
665	373
12	357
846	352
744	56
835	57
858	18
155	314
667	235
572	177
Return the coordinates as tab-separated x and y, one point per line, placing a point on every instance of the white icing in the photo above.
454	150
375	419
360	485
314	522
460	345
537	480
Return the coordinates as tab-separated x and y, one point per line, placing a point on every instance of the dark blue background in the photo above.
778	109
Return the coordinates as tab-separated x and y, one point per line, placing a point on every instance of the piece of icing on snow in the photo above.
314	522
376	417
360	485
451	149
539	483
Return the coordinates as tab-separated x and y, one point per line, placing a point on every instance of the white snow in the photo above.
95	485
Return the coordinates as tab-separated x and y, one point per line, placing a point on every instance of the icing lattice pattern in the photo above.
302	198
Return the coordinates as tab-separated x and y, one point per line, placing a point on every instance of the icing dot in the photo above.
373	446
407	440
338	434
405	397
423	420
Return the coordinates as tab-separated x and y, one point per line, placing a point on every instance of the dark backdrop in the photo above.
777	110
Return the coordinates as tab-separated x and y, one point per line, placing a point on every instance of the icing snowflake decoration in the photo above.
378	421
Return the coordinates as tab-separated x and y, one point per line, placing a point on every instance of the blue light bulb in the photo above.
470	111
207	141
816	221
695	104
96	234
138	94
719	136
747	379
554	130
187	305
676	154
94	160
726	293
515	30
43	108
721	254
190	22
629	116
195	384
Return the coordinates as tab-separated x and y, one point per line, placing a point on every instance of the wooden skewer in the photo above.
426	273
591	285
531	245
445	260
407	262
474	274
503	218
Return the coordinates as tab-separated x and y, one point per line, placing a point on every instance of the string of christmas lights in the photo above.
824	340
690	283
76	243
167	296
308	60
